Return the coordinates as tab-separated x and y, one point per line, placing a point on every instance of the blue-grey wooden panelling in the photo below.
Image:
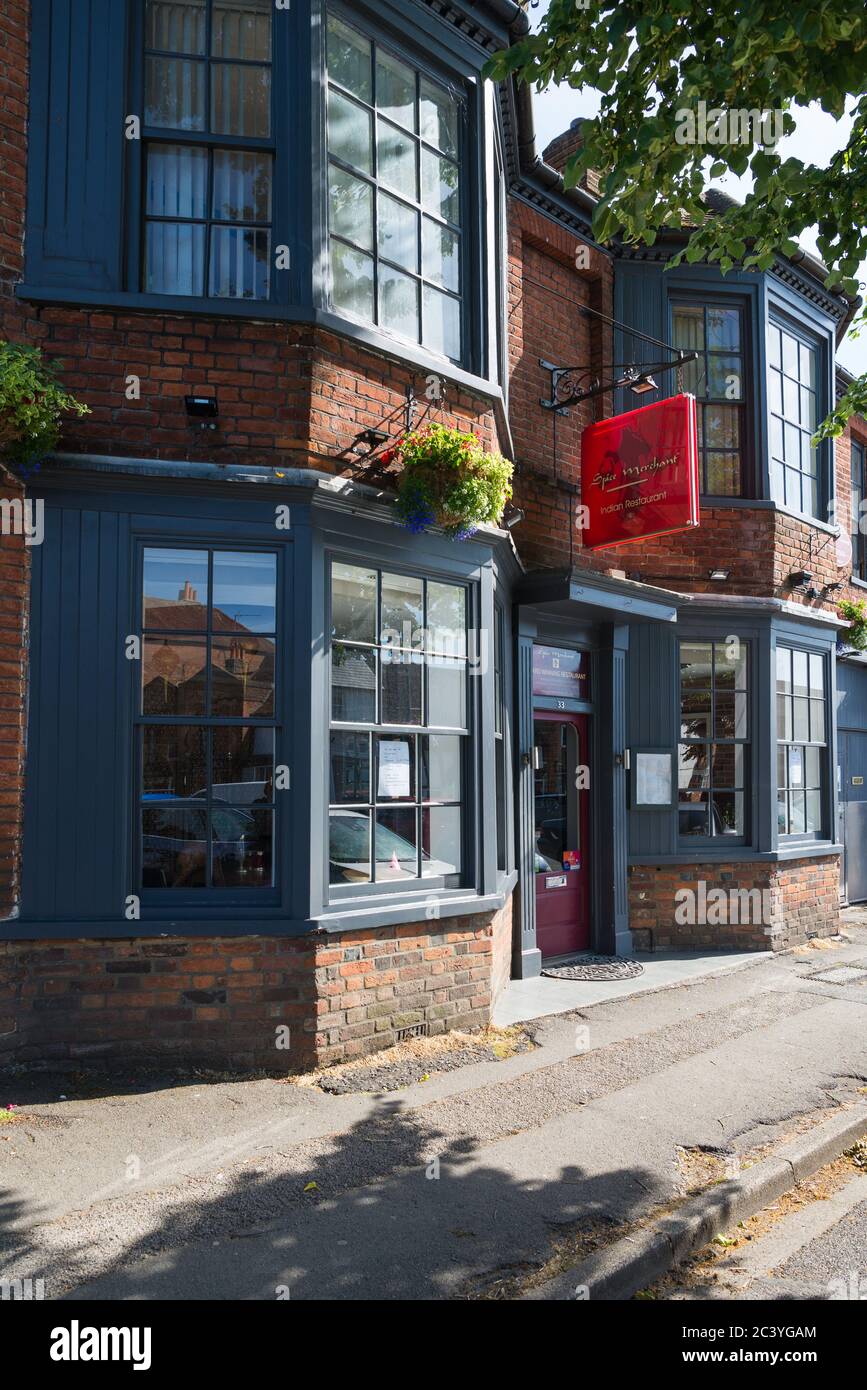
639	301
78	64
652	723
75	861
851	696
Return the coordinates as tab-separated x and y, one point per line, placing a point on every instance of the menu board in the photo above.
561	671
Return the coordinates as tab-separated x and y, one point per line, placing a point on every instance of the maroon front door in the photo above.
560	771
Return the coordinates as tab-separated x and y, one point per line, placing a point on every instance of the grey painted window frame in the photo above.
718	842
746	406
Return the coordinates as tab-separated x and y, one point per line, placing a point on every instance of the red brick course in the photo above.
802	901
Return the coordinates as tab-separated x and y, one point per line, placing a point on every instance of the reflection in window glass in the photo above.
793	387
717	379
207	803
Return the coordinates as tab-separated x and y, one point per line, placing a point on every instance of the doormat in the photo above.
595	969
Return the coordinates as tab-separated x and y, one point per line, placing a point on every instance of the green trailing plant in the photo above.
32	403
449	480
856	615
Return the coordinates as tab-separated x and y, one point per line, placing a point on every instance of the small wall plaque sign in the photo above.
652	780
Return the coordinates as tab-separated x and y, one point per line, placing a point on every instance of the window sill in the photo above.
810	849
451	903
259	311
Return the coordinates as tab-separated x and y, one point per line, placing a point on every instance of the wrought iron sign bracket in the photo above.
568	388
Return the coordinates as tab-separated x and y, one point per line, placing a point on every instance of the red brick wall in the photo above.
14	582
803	900
220	1002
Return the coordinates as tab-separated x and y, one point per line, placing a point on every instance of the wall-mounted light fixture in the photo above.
799	579
719	576
203	410
512	516
368	442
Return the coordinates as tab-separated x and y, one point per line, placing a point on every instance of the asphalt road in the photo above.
244	1190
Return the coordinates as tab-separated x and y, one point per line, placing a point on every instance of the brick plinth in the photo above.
227	1002
791	902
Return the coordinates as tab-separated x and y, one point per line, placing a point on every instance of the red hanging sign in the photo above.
639	473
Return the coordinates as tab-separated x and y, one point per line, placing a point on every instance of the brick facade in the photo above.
801	899
226	1003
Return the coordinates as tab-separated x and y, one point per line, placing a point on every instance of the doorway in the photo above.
561	801
853	805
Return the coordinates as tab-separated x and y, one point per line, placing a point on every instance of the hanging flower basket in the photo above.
447	479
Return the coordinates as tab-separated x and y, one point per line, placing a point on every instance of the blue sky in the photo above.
816	132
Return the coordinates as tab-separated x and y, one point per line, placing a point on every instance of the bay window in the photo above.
394	193
859	494
802	739
399	728
793	385
713	759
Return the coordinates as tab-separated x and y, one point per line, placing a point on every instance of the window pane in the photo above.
245	591
395	845
776	392
176	590
447	693
696	665
398	302
782	767
446	619
817	721
808	409
814	812
395	767
693	773
688	326
695	714
441	768
402	610
796	768
728	765
176	26
693	818
173	675
395	90
800	720
350	132
721	427
241	847
349	61
731	715
790	355
174	848
817	675
242	186
349	847
799	672
175	94
723	328
776	437
792	445
442	323
441	841
784	717
774	348
441	255
177	181
353	684
242	677
242	765
727	814
240	263
396	156
730	665
242	29
784	671
790	399
440	186
398	232
174	761
352	281
725	377
723	475
350	768
175	258
353	603
439	117
351	202
241	100
797	813
813	764
401	688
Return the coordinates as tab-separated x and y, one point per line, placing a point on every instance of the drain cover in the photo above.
595	968
840	975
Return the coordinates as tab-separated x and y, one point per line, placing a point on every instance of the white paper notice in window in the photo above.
653	779
393	769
